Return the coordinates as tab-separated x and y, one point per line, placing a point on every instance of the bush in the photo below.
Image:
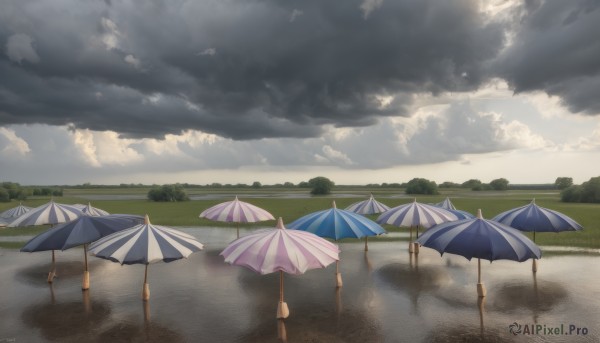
571	194
4	195
499	184
168	193
320	185
472	184
421	186
589	191
563	182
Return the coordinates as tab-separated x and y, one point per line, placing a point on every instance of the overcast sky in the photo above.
360	91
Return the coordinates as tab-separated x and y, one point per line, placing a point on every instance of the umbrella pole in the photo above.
410	244
52	273
481	291
534	267
146	289
237	229
85	283
416	244
366	241
338	275
282	307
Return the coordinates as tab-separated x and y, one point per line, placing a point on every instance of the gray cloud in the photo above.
239	69
556	49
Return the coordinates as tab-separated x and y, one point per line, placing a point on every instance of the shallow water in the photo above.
388	296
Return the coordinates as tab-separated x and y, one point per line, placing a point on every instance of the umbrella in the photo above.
145	244
15	212
446	204
480	238
93	211
271	250
81	231
414	215
236	211
535	218
50	213
369	206
337	224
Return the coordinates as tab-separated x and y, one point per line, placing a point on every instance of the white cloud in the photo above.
111	35
208	52
295	14
133	61
19	47
368	6
11	144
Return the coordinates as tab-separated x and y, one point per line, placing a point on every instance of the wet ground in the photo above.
388	296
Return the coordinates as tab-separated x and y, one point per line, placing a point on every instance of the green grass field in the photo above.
186	213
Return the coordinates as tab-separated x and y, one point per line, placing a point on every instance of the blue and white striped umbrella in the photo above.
369	206
145	244
49	213
416	214
537	219
446	204
482	239
93	211
15	212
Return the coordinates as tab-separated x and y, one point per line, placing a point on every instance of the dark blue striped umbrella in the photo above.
537	219
482	239
446	204
15	212
338	224
81	231
50	213
145	244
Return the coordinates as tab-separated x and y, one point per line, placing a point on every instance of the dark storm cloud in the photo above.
240	69
557	50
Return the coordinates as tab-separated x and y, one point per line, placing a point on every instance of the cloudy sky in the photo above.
360	91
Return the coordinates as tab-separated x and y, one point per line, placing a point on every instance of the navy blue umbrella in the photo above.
337	224
482	239
81	231
537	219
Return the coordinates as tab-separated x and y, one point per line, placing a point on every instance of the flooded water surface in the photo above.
388	295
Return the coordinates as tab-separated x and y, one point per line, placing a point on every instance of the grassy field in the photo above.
186	213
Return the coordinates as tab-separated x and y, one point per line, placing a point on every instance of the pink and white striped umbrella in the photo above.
236	211
291	251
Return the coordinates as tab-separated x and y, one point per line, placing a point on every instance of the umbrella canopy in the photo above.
369	206
93	211
446	204
236	211
272	250
145	244
482	239
337	224
81	231
49	213
15	212
416	214
537	219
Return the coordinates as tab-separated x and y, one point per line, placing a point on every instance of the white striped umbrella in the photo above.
482	239
15	212
537	219
94	211
446	204
369	206
416	214
145	244
271	250
50	213
236	211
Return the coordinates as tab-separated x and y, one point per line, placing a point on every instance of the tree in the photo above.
563	182
288	184
449	184
571	194
256	184
320	185
4	196
589	191
499	184
472	184
168	193
421	186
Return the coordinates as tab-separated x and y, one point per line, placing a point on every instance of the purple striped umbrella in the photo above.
414	215
50	213
369	206
291	251
236	211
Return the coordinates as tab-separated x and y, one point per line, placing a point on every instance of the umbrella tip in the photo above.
533	201
280	223
146	220
479	215
333	204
